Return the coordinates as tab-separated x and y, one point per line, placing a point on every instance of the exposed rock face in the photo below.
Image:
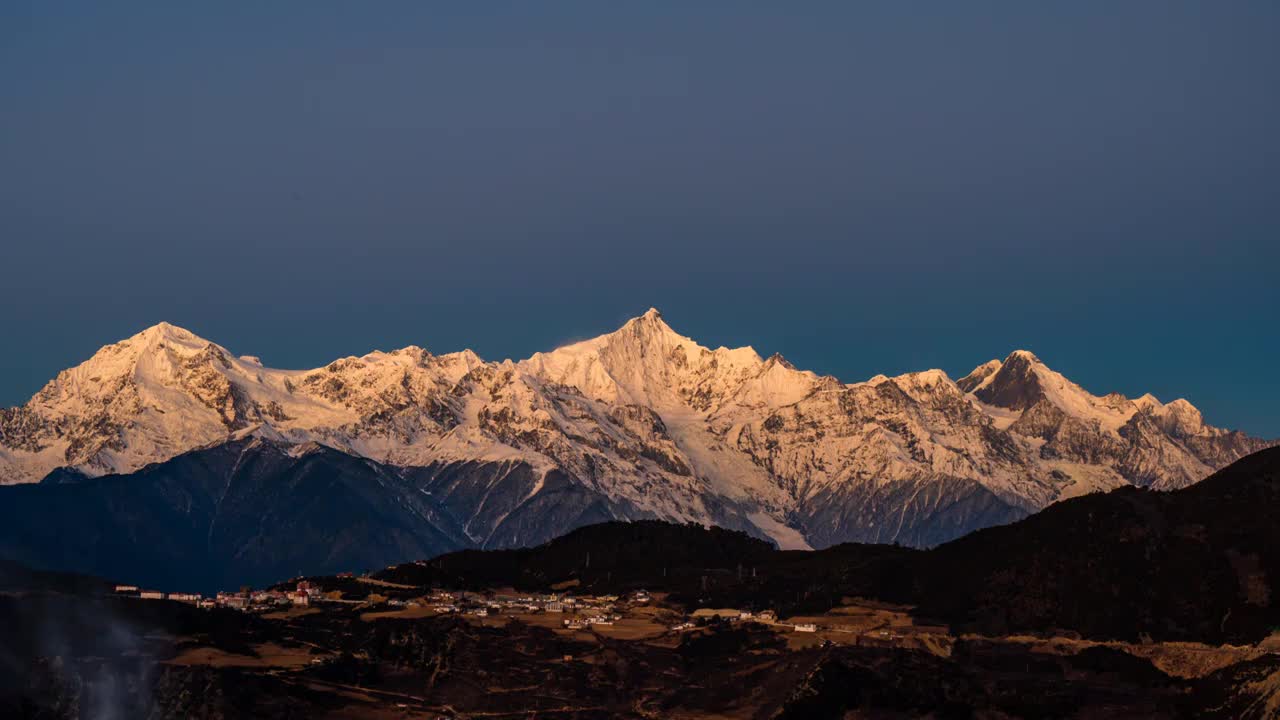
1015	384
641	422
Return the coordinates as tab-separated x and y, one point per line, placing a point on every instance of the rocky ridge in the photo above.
649	419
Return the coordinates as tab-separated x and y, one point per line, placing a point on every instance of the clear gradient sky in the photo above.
864	187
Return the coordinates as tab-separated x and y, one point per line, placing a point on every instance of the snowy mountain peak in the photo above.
154	356
1148	402
636	364
166	332
777	359
979	375
1180	418
1023	355
925	378
159	329
1015	384
466	356
1022	382
649	326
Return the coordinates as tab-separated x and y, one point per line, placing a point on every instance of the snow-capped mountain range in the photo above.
640	422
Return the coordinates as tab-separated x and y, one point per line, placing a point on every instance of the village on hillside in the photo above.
640	611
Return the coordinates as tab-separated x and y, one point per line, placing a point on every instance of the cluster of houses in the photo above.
597	609
766	617
578	623
303	595
135	591
584	611
248	600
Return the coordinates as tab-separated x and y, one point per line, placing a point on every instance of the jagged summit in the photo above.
165	332
1017	384
777	359
1021	381
162	328
651	318
648	326
645	362
1023	355
1148	401
638	422
153	339
979	374
1021	361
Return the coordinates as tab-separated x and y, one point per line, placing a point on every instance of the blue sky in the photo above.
864	187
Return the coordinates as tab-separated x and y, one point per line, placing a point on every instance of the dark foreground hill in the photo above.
84	656
1200	564
245	512
700	566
